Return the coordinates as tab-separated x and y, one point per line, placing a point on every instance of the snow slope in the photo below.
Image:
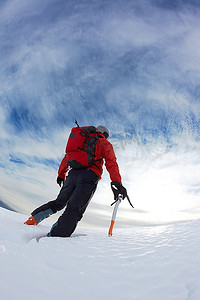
151	263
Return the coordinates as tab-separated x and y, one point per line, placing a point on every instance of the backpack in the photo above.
81	147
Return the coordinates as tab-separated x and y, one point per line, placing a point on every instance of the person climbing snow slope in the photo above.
86	151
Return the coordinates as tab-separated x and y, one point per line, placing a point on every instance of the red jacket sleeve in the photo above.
63	167
111	161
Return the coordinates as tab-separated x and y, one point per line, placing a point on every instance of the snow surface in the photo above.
160	262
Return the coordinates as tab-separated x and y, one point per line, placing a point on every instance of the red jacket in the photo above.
104	149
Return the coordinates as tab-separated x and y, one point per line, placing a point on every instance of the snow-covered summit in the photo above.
150	263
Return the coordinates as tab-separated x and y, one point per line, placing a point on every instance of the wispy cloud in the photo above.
133	67
98	64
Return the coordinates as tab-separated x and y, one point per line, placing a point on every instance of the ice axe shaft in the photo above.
114	216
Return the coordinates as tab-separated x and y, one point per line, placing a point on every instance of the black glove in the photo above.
60	181
118	189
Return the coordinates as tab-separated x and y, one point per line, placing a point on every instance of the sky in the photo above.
131	66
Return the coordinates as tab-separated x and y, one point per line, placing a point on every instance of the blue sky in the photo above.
132	66
100	62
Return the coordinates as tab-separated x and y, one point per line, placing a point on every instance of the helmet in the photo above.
103	130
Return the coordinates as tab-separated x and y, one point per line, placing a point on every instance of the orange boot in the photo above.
31	221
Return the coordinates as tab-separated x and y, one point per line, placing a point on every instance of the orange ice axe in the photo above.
114	215
117	202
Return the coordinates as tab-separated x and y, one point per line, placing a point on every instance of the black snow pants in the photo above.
76	193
